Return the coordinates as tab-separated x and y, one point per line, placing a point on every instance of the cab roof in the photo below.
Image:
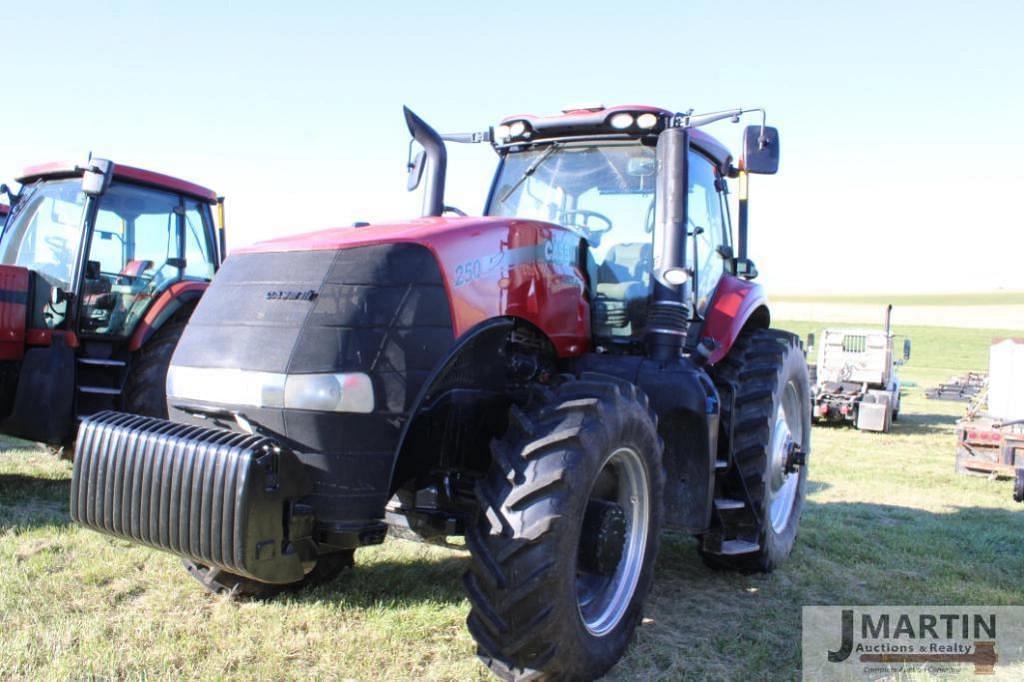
596	120
70	169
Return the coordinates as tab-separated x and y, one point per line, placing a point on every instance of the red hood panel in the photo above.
420	230
492	267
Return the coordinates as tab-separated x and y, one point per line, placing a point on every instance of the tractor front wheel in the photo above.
563	545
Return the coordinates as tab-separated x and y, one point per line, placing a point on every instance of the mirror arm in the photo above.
743	216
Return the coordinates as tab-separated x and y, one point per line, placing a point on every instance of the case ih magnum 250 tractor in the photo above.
100	267
558	381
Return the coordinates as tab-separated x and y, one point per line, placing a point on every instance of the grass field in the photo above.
886	522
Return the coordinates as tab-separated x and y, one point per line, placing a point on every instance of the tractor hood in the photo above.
420	230
490	266
327	338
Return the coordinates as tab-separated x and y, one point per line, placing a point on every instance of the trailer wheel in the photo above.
145	391
771	428
219	581
566	534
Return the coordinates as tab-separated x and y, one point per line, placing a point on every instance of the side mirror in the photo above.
97	176
760	150
906	349
416	167
745	268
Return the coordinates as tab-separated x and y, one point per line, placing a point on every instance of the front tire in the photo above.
564	542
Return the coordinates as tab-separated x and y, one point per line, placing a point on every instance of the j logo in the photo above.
846	646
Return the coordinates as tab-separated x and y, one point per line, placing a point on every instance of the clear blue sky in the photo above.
901	137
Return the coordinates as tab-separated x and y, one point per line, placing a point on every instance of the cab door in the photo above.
143	241
707	229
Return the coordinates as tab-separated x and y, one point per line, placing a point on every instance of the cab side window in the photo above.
198	259
706	225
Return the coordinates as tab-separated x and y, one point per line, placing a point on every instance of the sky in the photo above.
899	122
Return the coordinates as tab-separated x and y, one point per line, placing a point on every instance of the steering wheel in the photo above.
581	219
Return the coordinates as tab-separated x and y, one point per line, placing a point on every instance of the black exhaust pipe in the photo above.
437	161
670	311
888	319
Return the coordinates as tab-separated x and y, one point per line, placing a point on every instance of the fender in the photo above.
164	307
488	338
14	295
735	303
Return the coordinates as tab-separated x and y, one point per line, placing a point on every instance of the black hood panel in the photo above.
381	310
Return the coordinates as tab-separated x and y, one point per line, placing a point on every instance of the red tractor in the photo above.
100	267
557	381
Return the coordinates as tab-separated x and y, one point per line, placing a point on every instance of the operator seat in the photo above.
622	286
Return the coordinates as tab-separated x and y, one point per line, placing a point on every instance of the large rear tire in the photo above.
771	430
145	391
563	546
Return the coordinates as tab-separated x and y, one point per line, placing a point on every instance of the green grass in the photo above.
887	521
983	298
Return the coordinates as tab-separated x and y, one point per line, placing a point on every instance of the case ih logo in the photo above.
840	642
281	295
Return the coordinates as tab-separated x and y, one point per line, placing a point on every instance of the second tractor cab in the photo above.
856	378
555	381
100	267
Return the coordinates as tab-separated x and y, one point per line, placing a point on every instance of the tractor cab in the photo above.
596	171
100	255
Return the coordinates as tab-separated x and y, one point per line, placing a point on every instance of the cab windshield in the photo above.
604	191
45	230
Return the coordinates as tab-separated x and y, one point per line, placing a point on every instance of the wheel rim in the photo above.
786	434
603	599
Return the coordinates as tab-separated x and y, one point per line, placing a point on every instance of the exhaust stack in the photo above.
437	161
669	315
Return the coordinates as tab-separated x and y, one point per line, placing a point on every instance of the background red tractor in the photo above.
557	381
100	268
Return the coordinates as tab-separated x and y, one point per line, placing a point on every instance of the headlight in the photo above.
647	121
502	132
621	121
517	128
676	276
351	392
325	392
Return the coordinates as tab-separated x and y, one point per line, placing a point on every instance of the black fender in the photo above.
688	409
465	400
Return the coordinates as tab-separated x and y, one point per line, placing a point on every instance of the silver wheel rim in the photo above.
782	485
603	600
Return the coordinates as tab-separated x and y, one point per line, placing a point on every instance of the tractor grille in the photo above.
217	497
